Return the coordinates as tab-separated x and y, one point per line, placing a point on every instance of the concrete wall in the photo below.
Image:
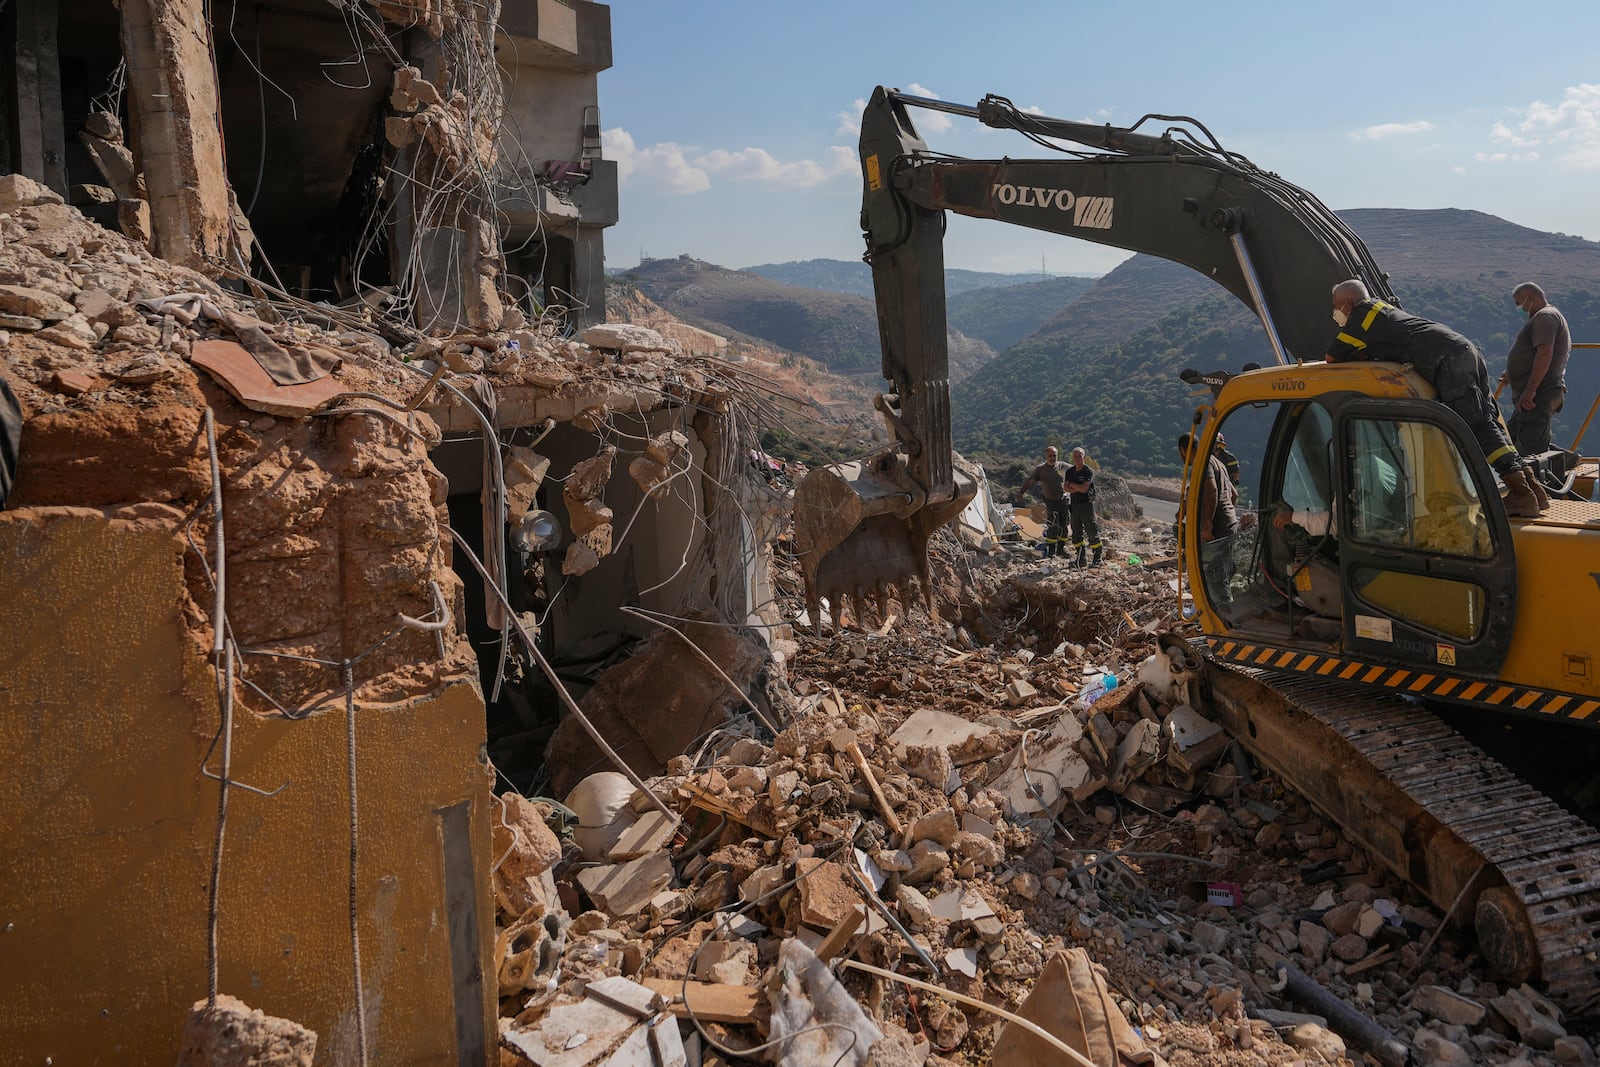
107	708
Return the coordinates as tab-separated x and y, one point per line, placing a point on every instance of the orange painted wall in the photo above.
107	826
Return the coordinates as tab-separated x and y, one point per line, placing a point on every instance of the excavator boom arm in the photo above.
1269	243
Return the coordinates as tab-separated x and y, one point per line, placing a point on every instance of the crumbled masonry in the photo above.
994	822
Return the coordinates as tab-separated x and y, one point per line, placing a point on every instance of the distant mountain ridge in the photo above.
855	277
1103	371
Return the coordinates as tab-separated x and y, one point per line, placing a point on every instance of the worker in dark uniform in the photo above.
1048	477
1373	330
1230	462
1080	508
1218	522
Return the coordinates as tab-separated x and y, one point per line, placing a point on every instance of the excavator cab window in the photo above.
1410	489
1426	565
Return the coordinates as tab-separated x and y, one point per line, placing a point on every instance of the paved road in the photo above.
1157	510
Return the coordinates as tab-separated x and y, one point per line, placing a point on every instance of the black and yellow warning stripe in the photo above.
1413	681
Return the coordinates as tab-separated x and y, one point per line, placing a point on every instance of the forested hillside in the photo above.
1104	372
1002	316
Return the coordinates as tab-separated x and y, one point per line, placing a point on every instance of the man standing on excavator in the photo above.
1050	479
1536	369
1373	330
1080	507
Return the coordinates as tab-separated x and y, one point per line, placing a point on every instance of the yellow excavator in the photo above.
1382	585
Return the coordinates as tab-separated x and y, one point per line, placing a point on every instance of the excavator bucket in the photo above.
859	533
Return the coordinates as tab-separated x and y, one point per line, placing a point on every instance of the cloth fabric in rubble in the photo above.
286	366
1070	1000
814	1018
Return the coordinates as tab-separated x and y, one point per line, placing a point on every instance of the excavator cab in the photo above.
1377	528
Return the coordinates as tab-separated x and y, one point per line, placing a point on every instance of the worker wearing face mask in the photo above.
1536	369
1372	330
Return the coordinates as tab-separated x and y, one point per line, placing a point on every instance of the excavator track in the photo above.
1441	814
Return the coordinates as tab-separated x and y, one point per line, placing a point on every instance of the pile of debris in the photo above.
1006	825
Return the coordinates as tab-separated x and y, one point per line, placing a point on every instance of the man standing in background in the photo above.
1048	476
1536	368
1080	507
1217	523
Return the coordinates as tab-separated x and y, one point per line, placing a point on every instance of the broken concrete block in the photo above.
1048	766
71	332
939	826
1314	940
1195	742
725	962
98	306
609	1027
586	515
827	893
762	881
927	860
18	191
621	889
1342	918
398	130
588	478
524	473
666	448
983	851
525	847
33	303
1020	692
133	219
1448	1006
232	1034
1137	753
915	911
1432	1050
1317	1040
1537	1020
598	539
930	726
625	337
580	559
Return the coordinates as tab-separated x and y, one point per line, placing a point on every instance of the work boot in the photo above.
1081	555
1520	500
1097	550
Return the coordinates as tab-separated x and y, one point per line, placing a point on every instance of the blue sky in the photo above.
732	122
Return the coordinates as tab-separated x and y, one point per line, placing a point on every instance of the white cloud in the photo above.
757	164
689	169
850	119
666	164
926	120
1569	129
1506	157
1391	129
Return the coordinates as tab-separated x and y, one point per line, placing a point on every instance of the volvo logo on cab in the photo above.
1290	385
1090	212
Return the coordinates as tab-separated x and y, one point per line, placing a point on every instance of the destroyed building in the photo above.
270	278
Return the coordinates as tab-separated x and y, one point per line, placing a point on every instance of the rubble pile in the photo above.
963	817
